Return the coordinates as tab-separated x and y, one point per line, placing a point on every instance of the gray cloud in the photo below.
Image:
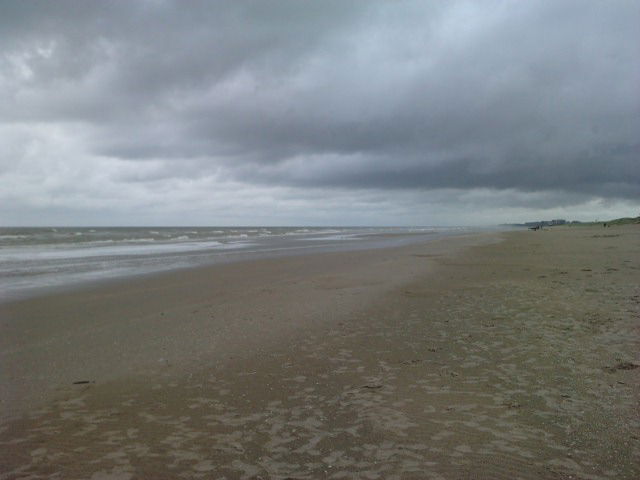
519	97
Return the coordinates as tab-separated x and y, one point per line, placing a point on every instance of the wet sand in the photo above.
511	359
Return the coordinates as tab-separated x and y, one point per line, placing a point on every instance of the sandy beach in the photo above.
489	356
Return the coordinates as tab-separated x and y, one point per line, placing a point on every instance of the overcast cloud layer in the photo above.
324	112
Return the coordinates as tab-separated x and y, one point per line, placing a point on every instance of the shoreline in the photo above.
168	320
465	358
151	264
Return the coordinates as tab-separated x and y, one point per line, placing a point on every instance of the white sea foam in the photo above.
138	240
333	237
12	237
95	250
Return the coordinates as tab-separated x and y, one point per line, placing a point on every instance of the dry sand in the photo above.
500	360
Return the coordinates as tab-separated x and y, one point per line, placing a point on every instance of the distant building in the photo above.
546	223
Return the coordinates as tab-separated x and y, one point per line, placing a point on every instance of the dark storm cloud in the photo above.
524	96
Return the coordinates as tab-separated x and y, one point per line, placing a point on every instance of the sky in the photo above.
325	112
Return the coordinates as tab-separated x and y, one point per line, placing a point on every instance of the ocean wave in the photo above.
11	237
105	248
352	236
135	240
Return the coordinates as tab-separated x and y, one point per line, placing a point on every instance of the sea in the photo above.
37	260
